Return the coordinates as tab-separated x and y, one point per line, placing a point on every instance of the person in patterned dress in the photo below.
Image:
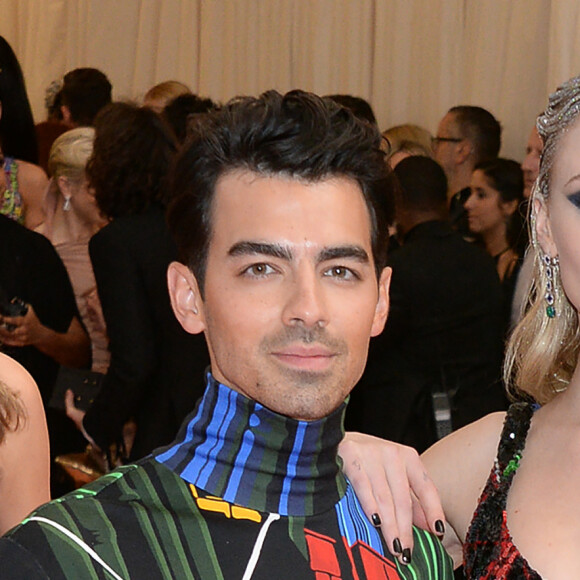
519	519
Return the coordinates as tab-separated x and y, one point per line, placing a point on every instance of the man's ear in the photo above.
185	298
463	150
66	116
382	308
543	228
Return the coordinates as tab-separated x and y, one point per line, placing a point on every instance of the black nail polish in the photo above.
440	527
376	520
397	546
406	556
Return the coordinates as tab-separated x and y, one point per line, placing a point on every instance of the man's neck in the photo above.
235	448
460	179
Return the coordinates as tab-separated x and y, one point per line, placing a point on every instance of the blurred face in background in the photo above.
531	162
486	212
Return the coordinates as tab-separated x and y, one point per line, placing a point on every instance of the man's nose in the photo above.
306	302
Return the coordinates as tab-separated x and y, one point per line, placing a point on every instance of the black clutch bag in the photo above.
83	383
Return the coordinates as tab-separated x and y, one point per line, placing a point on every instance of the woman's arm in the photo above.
24	453
390	480
32	185
71	348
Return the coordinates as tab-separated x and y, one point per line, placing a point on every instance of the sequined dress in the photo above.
11	204
489	552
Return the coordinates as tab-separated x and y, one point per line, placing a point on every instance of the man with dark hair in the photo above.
179	112
360	107
85	91
279	216
466	136
443	338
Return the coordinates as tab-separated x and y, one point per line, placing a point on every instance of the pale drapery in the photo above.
413	59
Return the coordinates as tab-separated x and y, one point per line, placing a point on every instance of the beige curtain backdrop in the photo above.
412	59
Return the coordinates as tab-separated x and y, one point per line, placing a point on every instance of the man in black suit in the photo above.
466	136
444	331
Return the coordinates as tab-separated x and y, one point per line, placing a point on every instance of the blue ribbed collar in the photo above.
235	448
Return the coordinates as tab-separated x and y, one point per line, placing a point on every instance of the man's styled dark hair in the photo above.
298	135
132	155
85	91
479	126
423	185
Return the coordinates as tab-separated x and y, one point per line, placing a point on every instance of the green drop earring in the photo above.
551	267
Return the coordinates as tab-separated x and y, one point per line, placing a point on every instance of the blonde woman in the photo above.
24	457
405	140
160	95
509	482
72	218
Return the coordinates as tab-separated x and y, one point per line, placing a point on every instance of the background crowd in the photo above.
85	250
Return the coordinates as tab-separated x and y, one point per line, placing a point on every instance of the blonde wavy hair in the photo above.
165	92
542	352
70	152
12	413
410	138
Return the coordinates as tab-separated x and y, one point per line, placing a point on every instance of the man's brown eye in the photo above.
340	272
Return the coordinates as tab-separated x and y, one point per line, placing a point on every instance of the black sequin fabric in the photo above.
489	552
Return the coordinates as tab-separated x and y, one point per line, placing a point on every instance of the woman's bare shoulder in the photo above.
460	464
19	381
24	453
33	185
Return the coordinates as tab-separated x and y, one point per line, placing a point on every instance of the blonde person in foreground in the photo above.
24	458
509	483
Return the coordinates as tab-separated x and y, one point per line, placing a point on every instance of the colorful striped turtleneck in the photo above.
243	493
237	449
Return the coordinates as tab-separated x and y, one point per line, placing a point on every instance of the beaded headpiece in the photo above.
562	111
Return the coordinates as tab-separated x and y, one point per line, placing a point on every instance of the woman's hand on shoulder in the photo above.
393	487
443	485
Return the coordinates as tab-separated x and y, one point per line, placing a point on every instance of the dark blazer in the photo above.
157	369
443	331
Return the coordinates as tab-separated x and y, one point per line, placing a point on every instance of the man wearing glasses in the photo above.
466	136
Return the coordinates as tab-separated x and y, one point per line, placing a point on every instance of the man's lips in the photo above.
314	358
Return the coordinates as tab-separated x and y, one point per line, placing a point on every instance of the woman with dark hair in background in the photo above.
22	184
156	371
497	189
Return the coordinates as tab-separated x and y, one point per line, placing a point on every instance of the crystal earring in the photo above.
551	268
66	205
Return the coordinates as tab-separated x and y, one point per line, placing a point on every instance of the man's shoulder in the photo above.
429	556
128	488
98	526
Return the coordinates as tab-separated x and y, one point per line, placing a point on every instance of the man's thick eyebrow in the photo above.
266	249
357	253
